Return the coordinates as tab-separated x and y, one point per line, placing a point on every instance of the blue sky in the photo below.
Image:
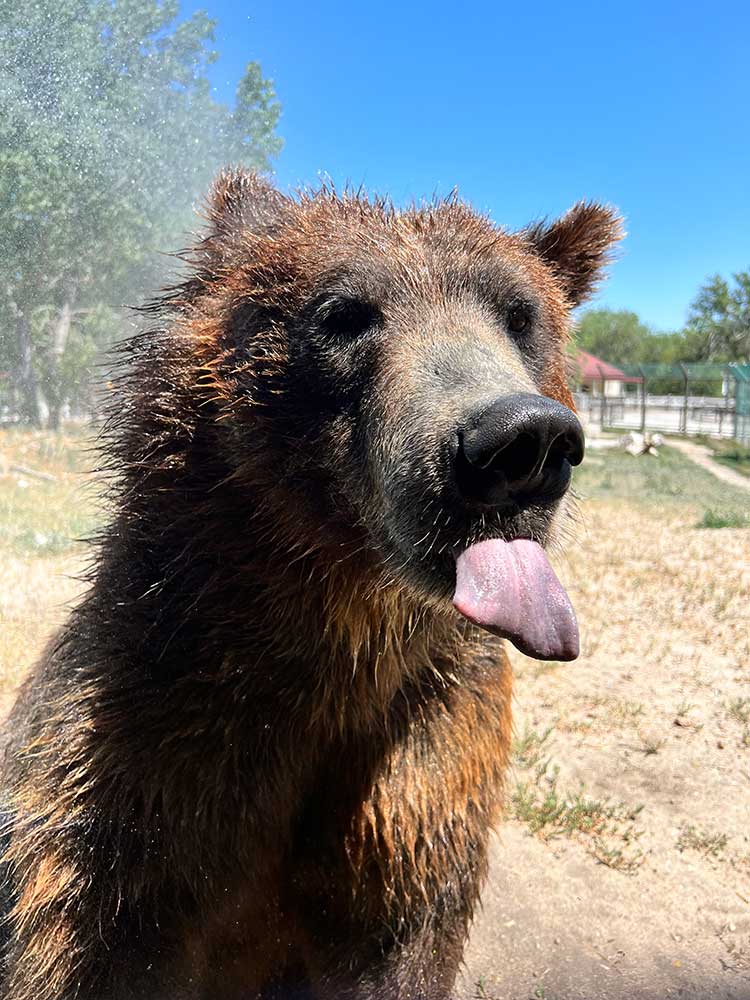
526	108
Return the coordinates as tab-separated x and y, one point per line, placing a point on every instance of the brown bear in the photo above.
264	756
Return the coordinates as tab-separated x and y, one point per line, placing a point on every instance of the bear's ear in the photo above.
240	202
239	205
578	246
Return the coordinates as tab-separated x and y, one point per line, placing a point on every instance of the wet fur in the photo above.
263	757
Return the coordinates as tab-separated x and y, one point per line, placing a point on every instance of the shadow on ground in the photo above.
549	930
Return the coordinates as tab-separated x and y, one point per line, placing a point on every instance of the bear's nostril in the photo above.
517	460
569	446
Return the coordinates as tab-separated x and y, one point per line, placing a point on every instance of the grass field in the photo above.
624	867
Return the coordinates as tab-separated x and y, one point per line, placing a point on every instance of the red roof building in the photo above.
592	367
600	377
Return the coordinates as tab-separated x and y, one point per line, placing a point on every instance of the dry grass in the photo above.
606	829
693	839
41	555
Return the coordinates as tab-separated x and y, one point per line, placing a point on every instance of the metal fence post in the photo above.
686	376
741	373
643	398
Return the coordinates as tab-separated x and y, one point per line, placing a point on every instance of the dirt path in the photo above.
701	455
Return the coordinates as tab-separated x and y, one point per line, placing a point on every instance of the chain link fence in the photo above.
711	399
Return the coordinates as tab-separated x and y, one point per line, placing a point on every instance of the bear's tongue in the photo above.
509	588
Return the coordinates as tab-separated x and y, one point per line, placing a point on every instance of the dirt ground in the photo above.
642	891
623	867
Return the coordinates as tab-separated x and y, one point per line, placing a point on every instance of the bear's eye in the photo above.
348	318
518	317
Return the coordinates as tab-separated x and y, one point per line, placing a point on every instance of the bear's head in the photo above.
391	388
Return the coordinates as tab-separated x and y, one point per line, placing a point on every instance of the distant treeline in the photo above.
717	330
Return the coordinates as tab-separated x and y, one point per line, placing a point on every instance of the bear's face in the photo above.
417	400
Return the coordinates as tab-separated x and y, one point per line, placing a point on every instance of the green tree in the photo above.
616	336
621	337
718	326
108	135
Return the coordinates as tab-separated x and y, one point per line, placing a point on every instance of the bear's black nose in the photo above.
519	448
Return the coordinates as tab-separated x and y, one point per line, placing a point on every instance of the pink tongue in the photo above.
510	589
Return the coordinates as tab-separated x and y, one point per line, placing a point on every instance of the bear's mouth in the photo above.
510	589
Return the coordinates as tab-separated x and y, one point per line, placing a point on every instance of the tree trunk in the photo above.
55	390
26	379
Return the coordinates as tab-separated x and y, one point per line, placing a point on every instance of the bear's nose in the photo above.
519	448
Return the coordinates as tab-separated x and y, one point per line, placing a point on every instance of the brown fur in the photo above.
263	757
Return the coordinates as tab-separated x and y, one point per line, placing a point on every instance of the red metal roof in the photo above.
594	368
